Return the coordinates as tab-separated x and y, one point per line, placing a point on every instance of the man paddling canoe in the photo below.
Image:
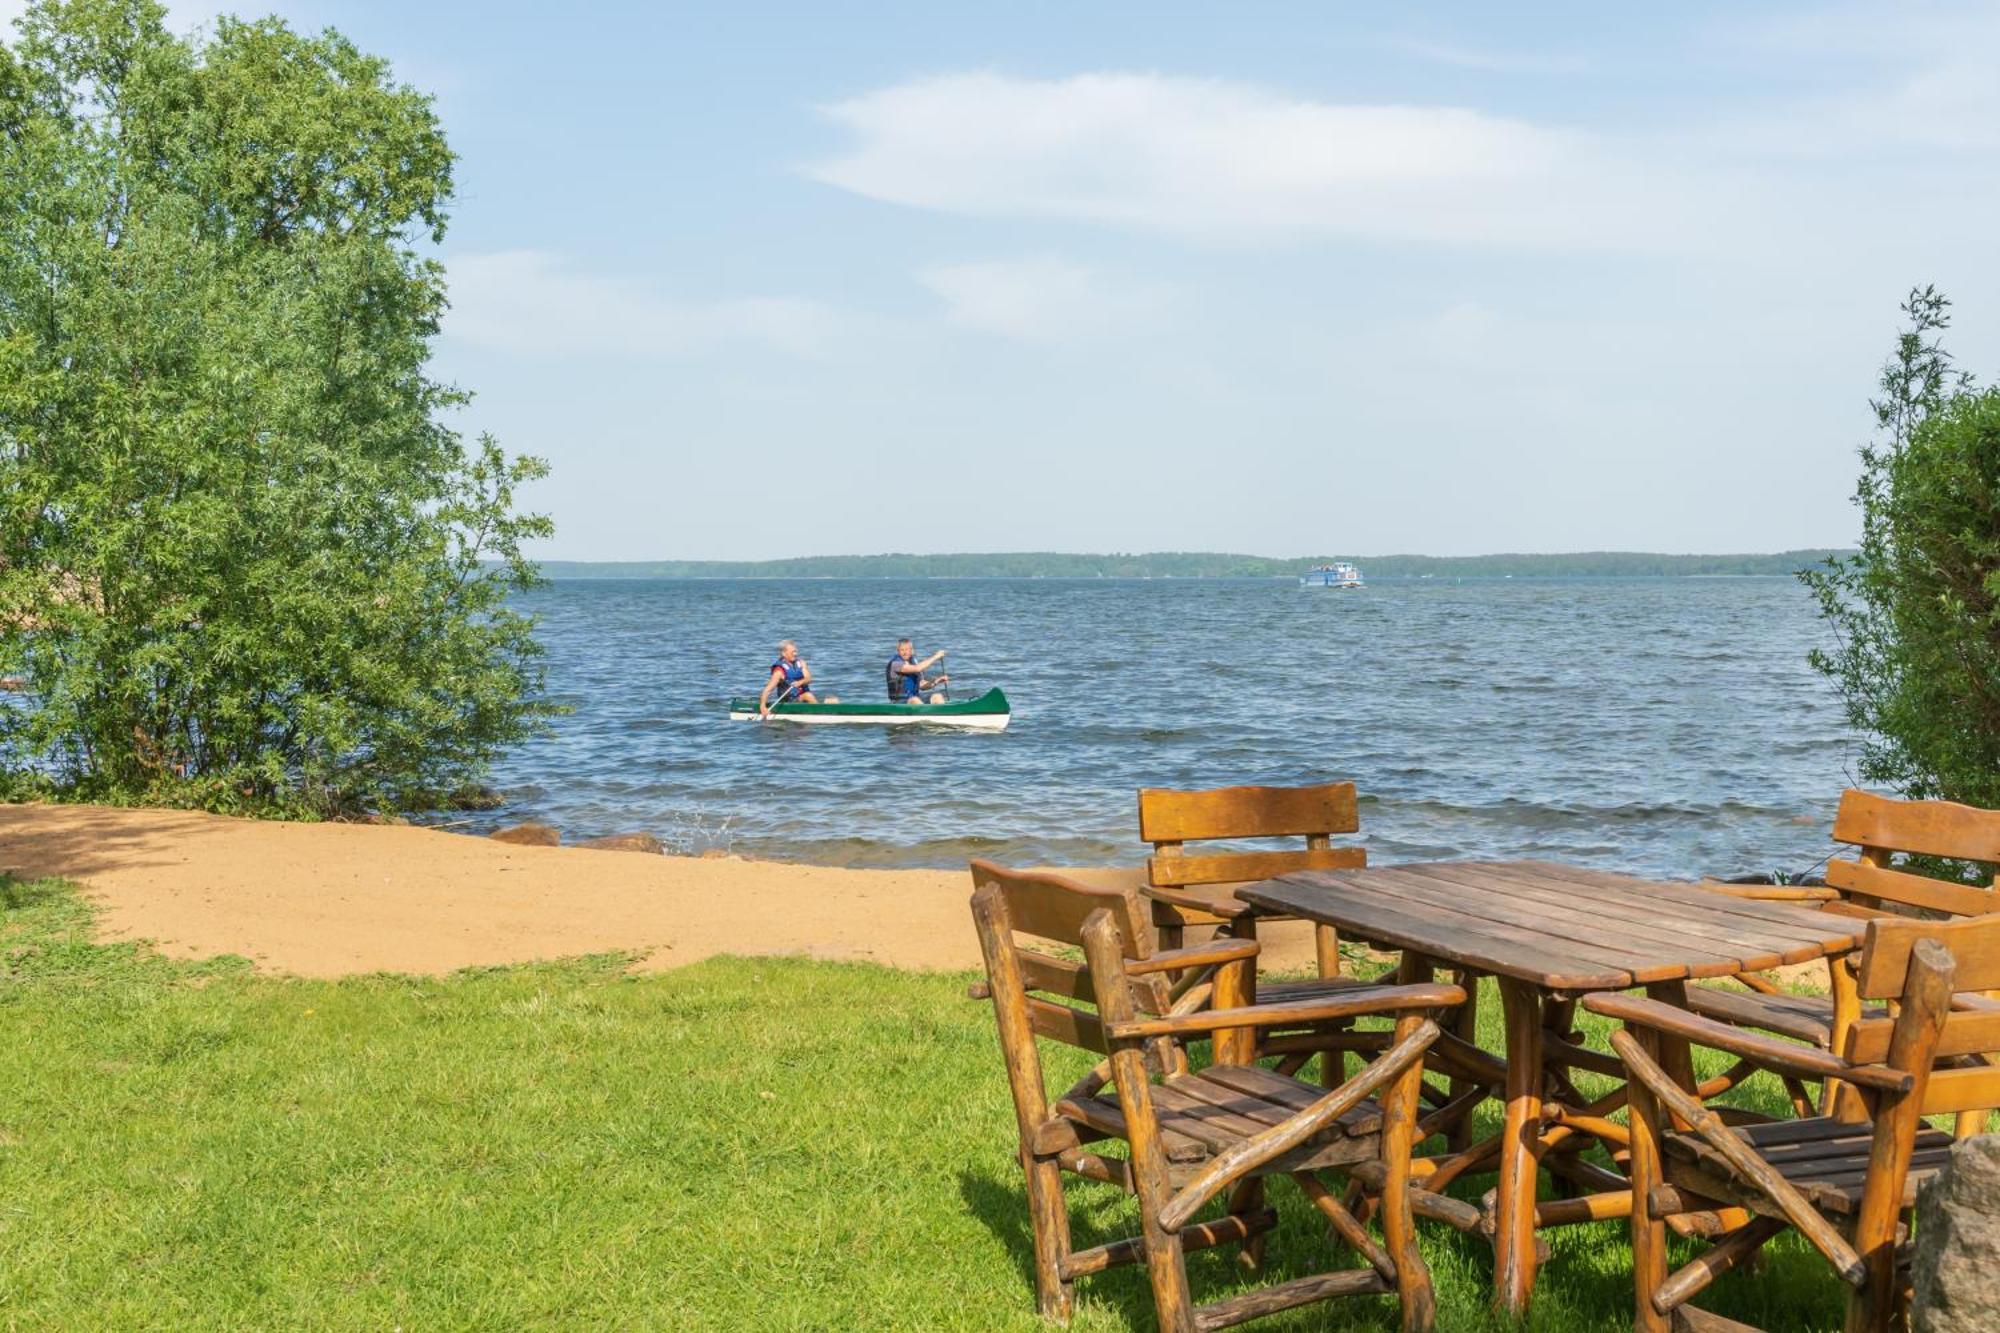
791	679
906	678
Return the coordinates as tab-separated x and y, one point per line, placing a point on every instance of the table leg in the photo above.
1676	1056
1520	1144
1236	987
1558	1018
1464	1025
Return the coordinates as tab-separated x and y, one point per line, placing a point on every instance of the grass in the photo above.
743	1143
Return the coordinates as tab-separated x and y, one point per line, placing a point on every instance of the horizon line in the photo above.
1140	555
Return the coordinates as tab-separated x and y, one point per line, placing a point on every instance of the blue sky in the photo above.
787	279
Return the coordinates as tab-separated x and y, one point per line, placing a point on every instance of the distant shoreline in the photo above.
1198	565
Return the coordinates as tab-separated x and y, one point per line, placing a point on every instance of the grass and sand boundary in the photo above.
191	1139
330	900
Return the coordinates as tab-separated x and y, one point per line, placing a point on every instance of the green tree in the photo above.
244	563
1916	609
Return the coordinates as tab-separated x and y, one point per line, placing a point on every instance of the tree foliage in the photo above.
243	561
1916	609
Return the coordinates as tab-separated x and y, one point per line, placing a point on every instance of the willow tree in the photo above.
244	560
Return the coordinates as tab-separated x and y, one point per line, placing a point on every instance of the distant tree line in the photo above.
1196	565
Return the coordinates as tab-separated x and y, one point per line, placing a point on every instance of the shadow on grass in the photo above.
18	895
1100	1214
1002	1208
1001	1205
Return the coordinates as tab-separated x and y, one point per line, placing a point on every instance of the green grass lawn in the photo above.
746	1143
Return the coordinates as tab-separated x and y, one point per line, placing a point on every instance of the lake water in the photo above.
1656	725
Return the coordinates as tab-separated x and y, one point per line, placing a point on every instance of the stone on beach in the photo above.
1956	1275
625	842
529	835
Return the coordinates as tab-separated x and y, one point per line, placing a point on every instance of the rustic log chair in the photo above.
1192	1135
1844	1183
1198	890
1866	886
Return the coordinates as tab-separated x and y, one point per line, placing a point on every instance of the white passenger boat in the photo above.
1339	574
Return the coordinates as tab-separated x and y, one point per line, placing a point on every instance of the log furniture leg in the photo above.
1247	1200
1520	1142
1675	1056
1326	952
1399	1129
1837	1098
1465	1026
1558	1017
1236	987
1649	1234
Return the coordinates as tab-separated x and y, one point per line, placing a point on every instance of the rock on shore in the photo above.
626	842
529	835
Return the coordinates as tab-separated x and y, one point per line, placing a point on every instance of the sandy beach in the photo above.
326	900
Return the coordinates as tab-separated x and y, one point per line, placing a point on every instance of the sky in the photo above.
784	279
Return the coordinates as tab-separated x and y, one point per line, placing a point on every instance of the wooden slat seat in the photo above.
1825	1159
1205	1113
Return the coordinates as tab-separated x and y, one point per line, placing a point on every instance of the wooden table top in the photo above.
1559	927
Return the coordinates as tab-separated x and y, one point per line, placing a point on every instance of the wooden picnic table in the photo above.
1548	934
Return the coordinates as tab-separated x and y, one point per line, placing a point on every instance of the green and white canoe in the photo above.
985	712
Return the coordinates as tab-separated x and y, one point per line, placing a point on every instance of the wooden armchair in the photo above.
1844	1183
1867	885
1198	890
1191	1136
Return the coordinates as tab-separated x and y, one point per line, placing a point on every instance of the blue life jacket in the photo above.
902	684
794	672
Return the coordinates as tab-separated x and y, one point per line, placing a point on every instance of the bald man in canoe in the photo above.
906	678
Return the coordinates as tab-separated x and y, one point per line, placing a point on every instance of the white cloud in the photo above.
1040	299
533	303
1235	161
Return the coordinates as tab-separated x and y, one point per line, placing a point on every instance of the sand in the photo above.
327	900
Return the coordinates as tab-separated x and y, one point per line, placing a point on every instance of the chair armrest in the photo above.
1352	1002
1768	1052
1213	953
1195	908
1778	893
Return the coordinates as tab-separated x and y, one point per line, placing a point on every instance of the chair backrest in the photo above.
1022	917
1170	819
1885	973
1023	912
1883	828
